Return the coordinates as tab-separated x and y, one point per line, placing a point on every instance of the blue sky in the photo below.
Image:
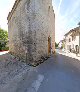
67	15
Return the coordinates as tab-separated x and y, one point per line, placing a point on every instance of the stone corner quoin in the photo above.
31	27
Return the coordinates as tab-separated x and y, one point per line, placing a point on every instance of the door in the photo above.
49	45
77	48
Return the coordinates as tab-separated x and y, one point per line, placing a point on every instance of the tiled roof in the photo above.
72	30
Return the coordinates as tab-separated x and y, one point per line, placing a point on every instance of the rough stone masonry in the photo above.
31	27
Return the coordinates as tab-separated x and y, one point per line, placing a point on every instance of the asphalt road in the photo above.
62	74
58	74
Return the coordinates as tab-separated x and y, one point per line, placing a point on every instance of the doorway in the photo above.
49	45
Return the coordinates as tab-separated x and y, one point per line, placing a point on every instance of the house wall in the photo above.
32	22
72	43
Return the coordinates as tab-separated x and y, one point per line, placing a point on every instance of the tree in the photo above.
56	44
79	23
3	35
3	38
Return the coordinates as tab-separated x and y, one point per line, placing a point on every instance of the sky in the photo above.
67	15
5	8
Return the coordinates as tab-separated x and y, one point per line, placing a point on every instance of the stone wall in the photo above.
30	25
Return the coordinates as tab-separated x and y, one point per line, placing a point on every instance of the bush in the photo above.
56	44
5	48
3	39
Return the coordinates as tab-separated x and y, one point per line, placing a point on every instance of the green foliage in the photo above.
5	48
56	44
3	35
79	23
3	39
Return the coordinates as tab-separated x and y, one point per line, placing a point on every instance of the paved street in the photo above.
62	75
58	74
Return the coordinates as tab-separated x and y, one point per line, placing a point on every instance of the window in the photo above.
73	38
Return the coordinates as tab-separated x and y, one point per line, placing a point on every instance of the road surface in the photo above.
58	74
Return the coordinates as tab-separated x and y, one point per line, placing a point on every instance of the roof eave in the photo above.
13	9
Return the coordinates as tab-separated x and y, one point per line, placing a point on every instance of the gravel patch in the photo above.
11	69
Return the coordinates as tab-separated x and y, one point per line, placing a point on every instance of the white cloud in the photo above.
59	6
64	22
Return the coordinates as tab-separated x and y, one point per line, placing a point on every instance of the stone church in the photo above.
31	27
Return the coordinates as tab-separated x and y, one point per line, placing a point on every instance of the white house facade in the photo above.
72	38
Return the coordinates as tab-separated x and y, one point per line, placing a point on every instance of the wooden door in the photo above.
49	45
